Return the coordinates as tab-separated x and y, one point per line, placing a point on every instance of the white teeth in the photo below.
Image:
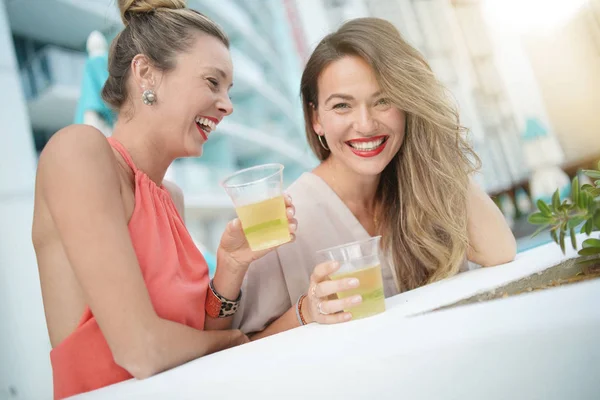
210	125
367	146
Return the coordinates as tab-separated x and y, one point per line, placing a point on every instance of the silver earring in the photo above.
321	141
149	97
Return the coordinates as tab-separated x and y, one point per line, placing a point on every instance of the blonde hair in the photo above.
422	194
159	29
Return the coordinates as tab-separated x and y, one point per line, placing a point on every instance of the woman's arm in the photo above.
287	321
318	299
491	241
81	185
229	275
233	257
265	295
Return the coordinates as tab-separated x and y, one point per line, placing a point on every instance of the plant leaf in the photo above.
591	243
584	199
553	235
589	201
573	238
581	199
538	219
562	241
575	190
583	227
597	219
540	230
589	251
556	200
573	223
544	209
592	173
588	227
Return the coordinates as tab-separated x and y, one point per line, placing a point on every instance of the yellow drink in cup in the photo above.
258	199
359	260
371	290
265	223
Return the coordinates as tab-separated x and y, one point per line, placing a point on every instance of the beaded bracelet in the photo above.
299	310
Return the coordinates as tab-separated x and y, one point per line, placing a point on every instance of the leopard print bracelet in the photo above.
218	306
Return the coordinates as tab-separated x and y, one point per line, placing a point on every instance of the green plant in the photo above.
564	216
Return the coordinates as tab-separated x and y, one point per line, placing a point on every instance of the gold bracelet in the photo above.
299	310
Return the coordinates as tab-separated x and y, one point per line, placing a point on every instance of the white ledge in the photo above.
539	345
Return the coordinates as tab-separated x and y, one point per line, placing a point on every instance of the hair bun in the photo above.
129	8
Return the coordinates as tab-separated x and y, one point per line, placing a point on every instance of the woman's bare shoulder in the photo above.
80	138
77	146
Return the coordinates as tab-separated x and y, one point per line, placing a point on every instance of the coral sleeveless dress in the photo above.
175	274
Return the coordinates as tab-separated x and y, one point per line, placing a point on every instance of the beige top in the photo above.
274	283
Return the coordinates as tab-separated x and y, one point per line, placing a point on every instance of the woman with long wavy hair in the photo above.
395	162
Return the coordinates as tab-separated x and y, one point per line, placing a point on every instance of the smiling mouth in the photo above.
205	126
367	145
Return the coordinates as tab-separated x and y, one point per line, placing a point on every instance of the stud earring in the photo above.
149	97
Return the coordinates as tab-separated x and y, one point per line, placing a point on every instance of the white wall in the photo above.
566	65
518	76
313	17
25	371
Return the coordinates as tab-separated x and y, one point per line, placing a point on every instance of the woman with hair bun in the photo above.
126	292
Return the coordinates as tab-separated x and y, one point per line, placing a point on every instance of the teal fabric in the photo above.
564	192
534	129
211	261
94	76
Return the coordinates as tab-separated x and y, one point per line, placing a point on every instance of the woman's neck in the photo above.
356	191
147	153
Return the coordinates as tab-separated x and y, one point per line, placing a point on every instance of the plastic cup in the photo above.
257	195
359	260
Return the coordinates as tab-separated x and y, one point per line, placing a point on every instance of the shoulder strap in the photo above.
123	152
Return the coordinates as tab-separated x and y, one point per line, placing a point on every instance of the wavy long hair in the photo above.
421	200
